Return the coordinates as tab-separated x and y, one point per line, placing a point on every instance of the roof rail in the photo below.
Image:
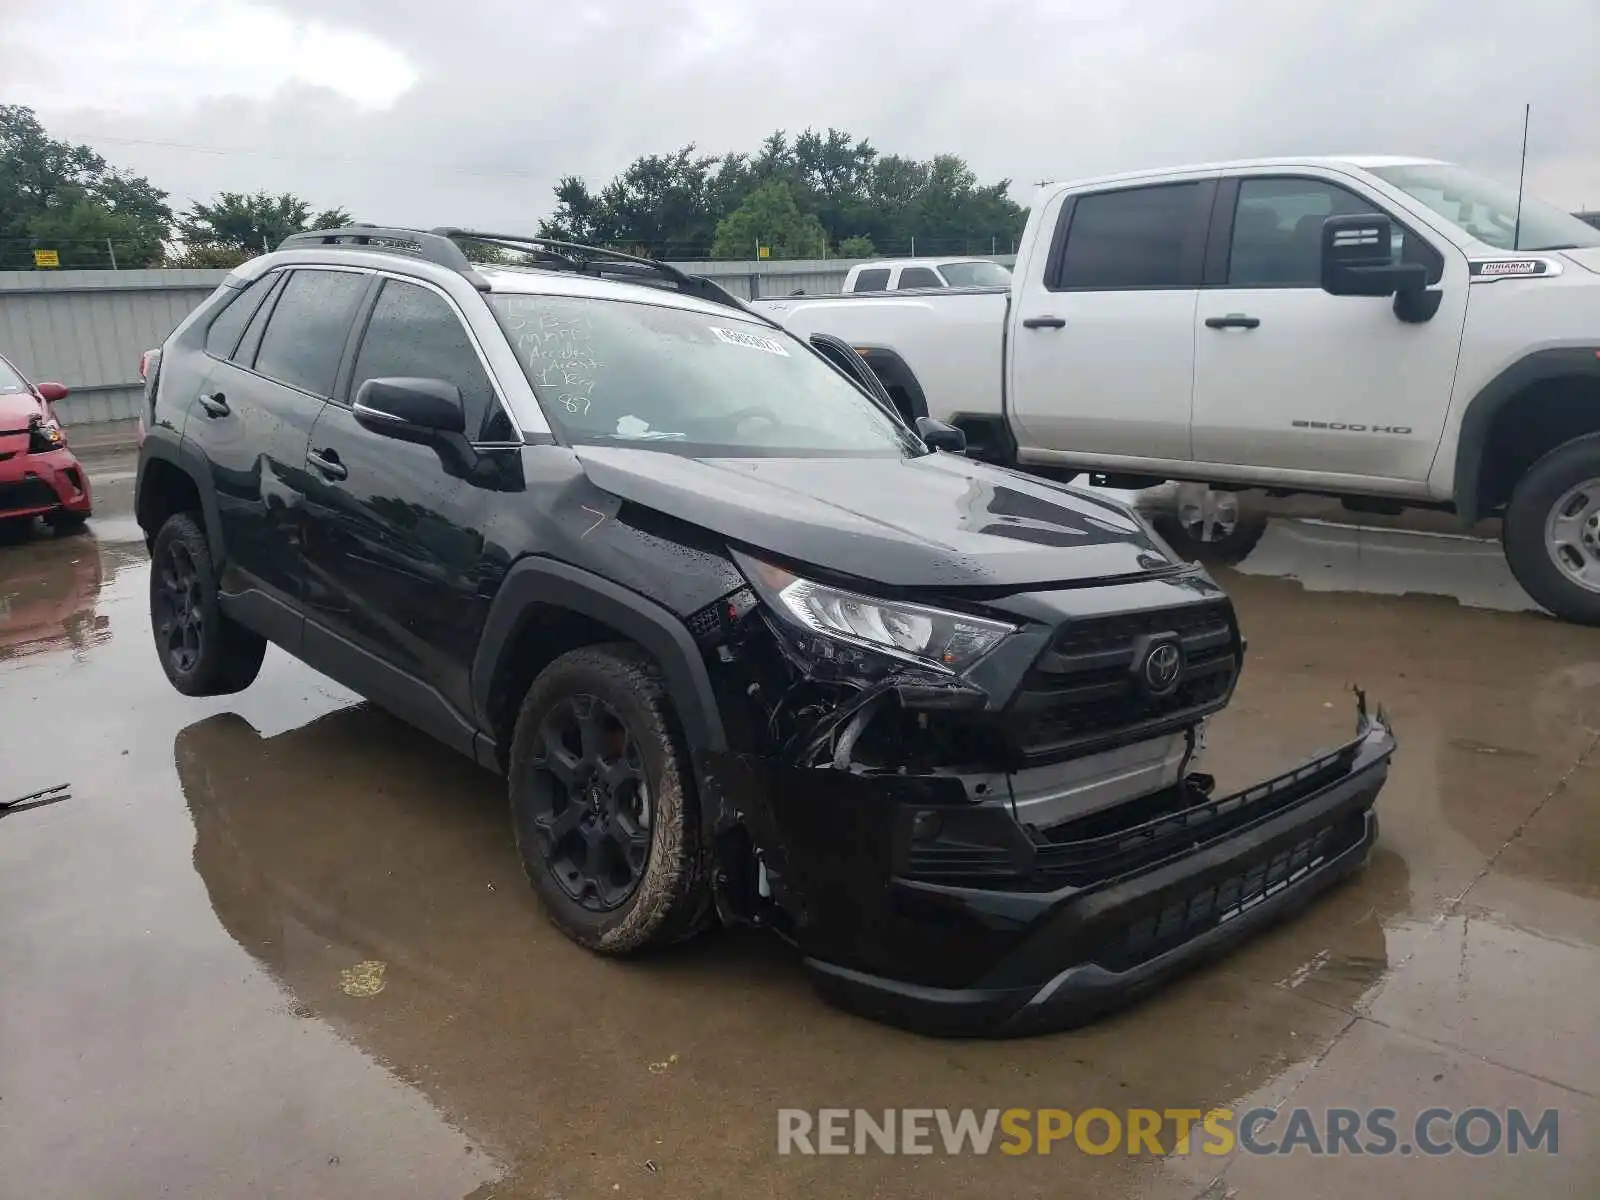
428	246
441	246
597	260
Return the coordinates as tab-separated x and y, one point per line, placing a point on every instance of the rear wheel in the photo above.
602	804
1551	531
202	650
1211	526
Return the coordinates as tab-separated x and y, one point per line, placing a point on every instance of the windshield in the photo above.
10	382
1488	210
689	382
976	274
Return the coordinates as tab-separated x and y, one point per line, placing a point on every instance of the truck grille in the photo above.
1081	694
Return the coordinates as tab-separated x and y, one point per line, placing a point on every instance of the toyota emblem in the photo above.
1163	664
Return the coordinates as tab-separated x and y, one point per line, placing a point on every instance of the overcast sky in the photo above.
425	112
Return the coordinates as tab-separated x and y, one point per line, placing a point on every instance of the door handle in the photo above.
327	461
1232	321
1043	323
215	404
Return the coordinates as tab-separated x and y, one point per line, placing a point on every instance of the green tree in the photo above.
206	258
856	247
253	223
770	217
58	196
674	205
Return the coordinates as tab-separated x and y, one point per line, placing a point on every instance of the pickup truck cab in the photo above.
911	274
1395	332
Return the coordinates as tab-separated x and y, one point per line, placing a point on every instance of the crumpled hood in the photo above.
936	521
17	409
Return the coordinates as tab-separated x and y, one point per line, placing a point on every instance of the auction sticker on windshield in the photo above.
751	341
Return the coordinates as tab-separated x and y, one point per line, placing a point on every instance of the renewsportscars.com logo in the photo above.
1473	1131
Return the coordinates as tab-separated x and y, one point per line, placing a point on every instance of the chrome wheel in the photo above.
1572	534
1208	516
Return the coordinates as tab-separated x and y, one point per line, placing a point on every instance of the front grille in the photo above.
1184	917
1081	694
31	492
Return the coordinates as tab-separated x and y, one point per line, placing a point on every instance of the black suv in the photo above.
746	647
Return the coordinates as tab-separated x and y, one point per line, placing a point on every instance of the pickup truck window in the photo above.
1132	238
1277	230
1488	210
689	382
919	277
875	280
976	274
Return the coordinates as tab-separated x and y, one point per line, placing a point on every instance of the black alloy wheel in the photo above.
589	802
177	610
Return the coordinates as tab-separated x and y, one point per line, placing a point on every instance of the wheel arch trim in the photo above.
1478	419
536	580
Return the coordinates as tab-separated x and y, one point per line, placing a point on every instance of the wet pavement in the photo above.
279	944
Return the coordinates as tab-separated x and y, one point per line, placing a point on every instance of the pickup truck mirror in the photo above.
410	409
1358	258
940	436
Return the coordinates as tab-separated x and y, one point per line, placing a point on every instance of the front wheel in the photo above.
1210	526
203	651
602	804
1551	531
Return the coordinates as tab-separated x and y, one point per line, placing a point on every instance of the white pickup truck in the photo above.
1394	332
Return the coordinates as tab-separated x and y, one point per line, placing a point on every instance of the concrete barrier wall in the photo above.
86	329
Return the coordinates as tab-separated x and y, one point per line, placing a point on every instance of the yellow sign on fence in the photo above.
46	258
763	251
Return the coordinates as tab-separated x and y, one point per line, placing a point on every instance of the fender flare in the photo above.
187	458
893	371
537	580
1560	363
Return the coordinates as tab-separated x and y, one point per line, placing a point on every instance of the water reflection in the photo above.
49	589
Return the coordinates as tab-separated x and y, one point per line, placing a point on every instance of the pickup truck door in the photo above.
1292	379
1102	327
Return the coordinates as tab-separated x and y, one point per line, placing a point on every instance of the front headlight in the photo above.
931	637
44	435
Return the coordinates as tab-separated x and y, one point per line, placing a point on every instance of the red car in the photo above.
39	476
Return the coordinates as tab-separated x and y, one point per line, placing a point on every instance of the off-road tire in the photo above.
230	655
673	899
1522	530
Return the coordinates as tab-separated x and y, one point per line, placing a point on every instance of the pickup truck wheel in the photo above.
1551	531
602	806
202	650
1209	526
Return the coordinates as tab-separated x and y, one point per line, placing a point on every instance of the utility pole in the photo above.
112	250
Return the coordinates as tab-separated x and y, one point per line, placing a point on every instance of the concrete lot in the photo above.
191	947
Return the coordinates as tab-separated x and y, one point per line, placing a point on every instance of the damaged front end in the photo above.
992	826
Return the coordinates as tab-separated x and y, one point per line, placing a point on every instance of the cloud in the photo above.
417	113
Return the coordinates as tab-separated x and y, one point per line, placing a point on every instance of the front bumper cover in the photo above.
1085	924
36	484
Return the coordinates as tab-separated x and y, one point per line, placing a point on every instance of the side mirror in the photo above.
410	409
51	392
941	436
1358	259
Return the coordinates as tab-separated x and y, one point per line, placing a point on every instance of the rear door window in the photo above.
1147	237
306	331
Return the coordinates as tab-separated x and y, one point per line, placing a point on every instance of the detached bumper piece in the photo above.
1063	926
